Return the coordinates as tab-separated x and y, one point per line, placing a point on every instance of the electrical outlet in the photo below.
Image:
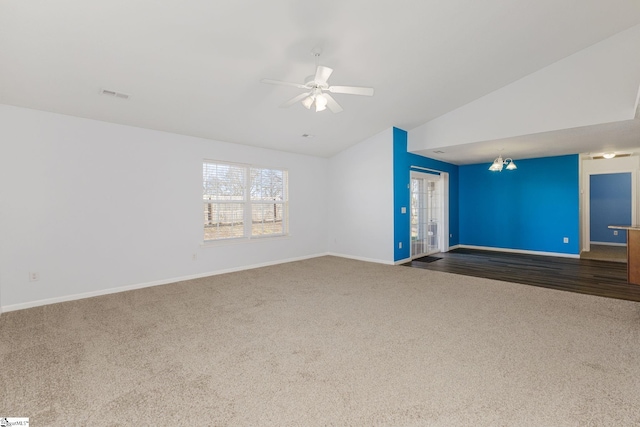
615	232
403	210
194	257
565	240
399	245
34	276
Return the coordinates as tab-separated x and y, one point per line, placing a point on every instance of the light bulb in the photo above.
321	103
307	102
497	165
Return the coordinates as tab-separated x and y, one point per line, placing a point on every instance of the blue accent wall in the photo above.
402	161
531	208
610	204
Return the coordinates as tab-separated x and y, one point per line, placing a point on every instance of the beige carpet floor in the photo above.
326	341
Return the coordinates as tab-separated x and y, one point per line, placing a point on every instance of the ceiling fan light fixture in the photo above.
307	102
321	103
317	83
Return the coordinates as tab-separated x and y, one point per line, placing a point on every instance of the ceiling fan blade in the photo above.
293	100
322	74
332	104
280	83
351	90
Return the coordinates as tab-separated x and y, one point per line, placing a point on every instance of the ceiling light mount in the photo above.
498	164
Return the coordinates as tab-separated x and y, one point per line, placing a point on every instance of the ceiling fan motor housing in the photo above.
311	83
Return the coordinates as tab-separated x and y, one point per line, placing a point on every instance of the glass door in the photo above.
426	214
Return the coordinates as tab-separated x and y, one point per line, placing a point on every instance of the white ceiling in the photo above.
193	67
619	137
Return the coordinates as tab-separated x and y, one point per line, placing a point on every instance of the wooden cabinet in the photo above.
633	256
633	252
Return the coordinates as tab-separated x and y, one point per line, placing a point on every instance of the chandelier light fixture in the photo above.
498	164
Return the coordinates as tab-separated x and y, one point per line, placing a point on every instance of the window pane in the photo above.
268	184
267	219
223	220
223	181
228	191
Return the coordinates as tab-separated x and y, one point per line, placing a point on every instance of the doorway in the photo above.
592	167
609	204
427	214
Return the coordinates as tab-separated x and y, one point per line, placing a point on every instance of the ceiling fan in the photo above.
316	88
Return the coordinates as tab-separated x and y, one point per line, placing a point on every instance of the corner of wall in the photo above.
403	160
401	197
360	187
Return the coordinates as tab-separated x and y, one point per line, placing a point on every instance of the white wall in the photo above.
93	206
594	86
361	200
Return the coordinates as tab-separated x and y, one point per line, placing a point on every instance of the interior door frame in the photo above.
600	167
443	182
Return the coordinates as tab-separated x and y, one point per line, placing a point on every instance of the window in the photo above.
242	201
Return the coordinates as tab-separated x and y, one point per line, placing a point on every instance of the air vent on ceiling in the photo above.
114	94
439	152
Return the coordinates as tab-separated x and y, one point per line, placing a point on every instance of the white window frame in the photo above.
249	203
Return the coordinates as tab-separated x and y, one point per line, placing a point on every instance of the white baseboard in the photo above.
37	303
520	251
83	295
607	244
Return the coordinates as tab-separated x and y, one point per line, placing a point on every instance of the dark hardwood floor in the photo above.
602	278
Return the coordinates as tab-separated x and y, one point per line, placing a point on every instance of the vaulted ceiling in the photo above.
194	67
